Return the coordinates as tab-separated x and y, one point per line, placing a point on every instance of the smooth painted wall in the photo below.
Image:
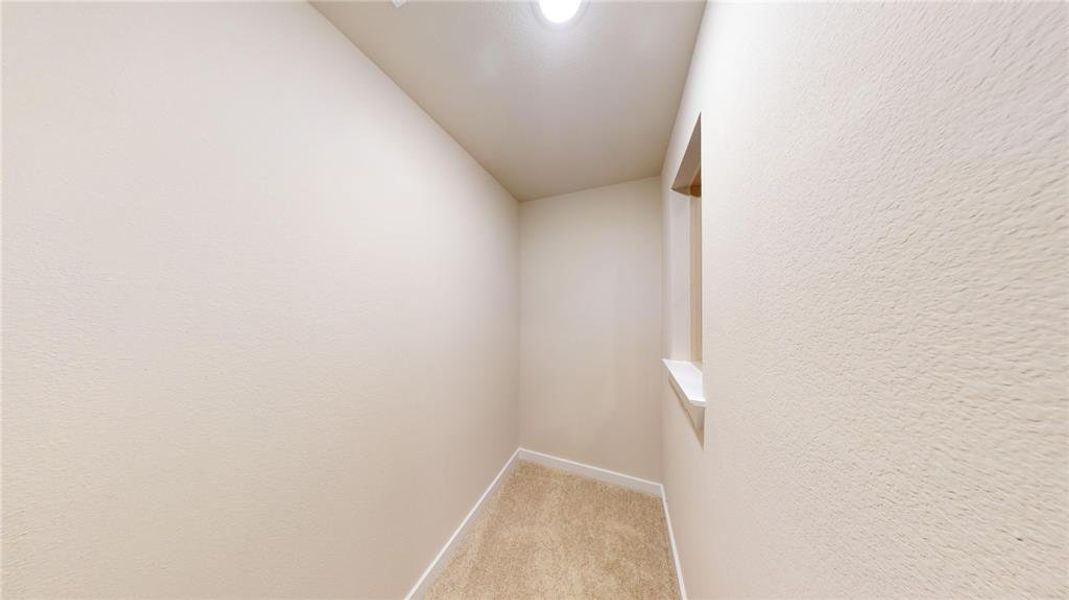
590	271
885	303
261	313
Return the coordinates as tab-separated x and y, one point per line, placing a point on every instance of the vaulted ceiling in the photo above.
546	110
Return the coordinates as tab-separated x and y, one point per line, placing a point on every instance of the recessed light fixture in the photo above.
559	12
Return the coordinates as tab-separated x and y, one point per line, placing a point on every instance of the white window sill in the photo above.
687	379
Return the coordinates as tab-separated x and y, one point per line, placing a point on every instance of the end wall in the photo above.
886	301
260	312
590	326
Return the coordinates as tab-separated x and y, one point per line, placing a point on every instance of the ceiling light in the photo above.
559	11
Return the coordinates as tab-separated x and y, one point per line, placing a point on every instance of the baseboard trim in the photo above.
420	589
672	541
652	488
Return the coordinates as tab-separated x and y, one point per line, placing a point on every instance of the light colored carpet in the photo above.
550	534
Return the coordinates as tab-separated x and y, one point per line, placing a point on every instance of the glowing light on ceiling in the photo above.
559	11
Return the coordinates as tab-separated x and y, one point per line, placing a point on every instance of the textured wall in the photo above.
886	300
590	326
260	312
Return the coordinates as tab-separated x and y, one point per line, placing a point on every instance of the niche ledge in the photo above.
686	378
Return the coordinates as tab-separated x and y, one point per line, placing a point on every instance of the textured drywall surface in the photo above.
261	313
885	303
590	372
547	110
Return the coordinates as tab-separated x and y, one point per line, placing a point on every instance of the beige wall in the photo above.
590	326
885	292
260	311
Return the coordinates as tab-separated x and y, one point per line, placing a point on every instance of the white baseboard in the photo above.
442	558
637	484
651	488
672	541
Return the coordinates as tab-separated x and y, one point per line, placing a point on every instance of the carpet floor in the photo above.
550	534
